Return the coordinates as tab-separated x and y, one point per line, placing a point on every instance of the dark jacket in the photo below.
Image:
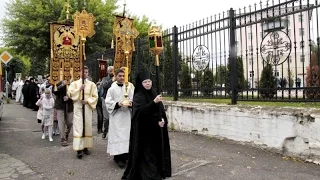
59	102
105	85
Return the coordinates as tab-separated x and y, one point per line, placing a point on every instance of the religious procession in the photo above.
131	117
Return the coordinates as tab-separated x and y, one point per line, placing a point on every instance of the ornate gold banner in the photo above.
65	62
124	33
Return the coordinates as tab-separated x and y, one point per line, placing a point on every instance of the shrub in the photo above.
267	82
207	82
312	79
185	80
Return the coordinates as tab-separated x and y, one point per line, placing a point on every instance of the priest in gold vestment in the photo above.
81	143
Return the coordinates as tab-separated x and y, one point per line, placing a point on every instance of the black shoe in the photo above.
86	151
104	135
79	154
121	164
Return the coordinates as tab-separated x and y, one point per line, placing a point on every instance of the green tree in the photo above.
207	82
185	80
221	74
268	82
313	78
142	24
19	64
166	63
26	27
241	83
290	78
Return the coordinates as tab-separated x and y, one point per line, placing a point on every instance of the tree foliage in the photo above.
221	75
19	64
313	78
27	31
290	78
241	82
267	82
142	24
207	82
185	80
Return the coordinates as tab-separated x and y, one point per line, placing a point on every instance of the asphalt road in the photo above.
24	155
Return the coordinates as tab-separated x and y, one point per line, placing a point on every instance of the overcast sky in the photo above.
181	12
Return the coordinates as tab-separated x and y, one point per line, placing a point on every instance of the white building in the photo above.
252	37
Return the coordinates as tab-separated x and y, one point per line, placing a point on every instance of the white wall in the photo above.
291	131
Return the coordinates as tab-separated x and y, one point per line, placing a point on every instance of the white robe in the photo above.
91	95
19	92
119	120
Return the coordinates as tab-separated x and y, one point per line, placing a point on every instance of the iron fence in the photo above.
266	52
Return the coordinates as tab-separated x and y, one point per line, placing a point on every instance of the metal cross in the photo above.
127	31
67	5
275	48
127	35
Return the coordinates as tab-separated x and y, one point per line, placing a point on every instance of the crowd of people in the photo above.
137	132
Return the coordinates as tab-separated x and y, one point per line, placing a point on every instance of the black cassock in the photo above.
25	92
145	154
33	95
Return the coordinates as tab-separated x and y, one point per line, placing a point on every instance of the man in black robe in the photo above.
25	92
149	151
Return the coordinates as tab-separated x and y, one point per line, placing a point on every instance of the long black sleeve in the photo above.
141	104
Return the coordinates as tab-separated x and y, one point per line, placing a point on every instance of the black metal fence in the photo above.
266	52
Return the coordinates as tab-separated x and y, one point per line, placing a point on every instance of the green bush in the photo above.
241	82
268	81
207	82
185	80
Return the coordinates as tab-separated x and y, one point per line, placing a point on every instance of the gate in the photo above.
265	52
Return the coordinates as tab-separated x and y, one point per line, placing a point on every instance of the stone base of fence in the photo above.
290	131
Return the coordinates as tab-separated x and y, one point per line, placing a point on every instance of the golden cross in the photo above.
67	5
128	33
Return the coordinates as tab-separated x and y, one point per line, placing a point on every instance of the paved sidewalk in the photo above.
11	168
194	157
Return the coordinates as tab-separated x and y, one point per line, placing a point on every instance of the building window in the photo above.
249	35
301	31
290	59
250	49
276	73
300	17
302	58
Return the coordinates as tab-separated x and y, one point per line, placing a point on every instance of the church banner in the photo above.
120	59
66	60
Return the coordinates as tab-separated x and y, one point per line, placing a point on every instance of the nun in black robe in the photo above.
25	92
145	149
33	94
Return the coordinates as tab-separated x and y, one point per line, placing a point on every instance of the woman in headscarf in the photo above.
149	151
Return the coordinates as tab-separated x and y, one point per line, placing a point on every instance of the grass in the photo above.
251	103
